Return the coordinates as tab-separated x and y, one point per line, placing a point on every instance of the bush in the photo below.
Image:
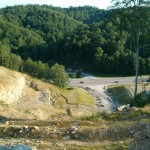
79	74
143	99
72	75
99	116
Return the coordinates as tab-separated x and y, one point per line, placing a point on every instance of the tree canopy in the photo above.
58	75
85	38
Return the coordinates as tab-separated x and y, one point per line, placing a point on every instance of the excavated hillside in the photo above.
37	114
24	97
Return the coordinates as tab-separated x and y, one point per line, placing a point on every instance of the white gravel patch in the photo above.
102	100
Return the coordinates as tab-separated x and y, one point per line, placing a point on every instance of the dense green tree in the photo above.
58	75
77	37
135	14
4	55
36	68
45	20
7	59
15	62
86	14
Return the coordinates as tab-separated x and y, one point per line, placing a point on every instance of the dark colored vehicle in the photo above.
116	82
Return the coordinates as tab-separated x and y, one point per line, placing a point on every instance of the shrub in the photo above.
143	99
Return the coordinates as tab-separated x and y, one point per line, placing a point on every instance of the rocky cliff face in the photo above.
12	92
22	96
17	88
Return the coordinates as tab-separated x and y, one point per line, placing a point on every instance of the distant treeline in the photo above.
85	38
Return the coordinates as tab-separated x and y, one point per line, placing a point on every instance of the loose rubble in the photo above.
103	101
38	132
141	140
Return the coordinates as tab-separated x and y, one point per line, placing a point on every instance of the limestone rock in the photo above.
124	108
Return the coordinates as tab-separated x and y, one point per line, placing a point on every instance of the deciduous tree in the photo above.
134	11
58	75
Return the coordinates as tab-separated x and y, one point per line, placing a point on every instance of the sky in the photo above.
103	4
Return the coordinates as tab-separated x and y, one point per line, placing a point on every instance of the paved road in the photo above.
87	81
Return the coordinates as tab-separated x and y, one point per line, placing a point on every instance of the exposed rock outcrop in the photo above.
141	140
22	96
10	88
124	108
15	147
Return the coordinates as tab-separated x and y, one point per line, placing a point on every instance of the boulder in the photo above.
16	147
74	128
124	108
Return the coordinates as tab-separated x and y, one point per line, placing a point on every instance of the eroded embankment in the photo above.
22	96
103	100
11	86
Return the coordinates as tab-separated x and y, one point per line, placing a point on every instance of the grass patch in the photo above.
113	130
122	145
134	115
97	117
146	109
60	103
107	146
121	94
119	116
81	97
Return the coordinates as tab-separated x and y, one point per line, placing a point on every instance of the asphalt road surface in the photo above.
89	81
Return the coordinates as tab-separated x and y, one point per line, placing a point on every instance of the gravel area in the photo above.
103	100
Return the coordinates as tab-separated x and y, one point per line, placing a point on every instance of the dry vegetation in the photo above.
35	99
46	124
101	131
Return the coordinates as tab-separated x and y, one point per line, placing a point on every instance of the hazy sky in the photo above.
61	3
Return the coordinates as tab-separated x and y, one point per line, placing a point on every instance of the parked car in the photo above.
116	81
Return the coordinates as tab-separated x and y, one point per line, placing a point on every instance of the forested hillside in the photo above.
81	38
86	14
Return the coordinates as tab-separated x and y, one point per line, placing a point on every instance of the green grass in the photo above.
122	145
131	116
81	97
121	94
134	115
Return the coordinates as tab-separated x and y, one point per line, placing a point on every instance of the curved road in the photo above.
103	101
89	81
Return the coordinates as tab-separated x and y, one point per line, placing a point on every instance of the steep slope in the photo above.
10	88
24	97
